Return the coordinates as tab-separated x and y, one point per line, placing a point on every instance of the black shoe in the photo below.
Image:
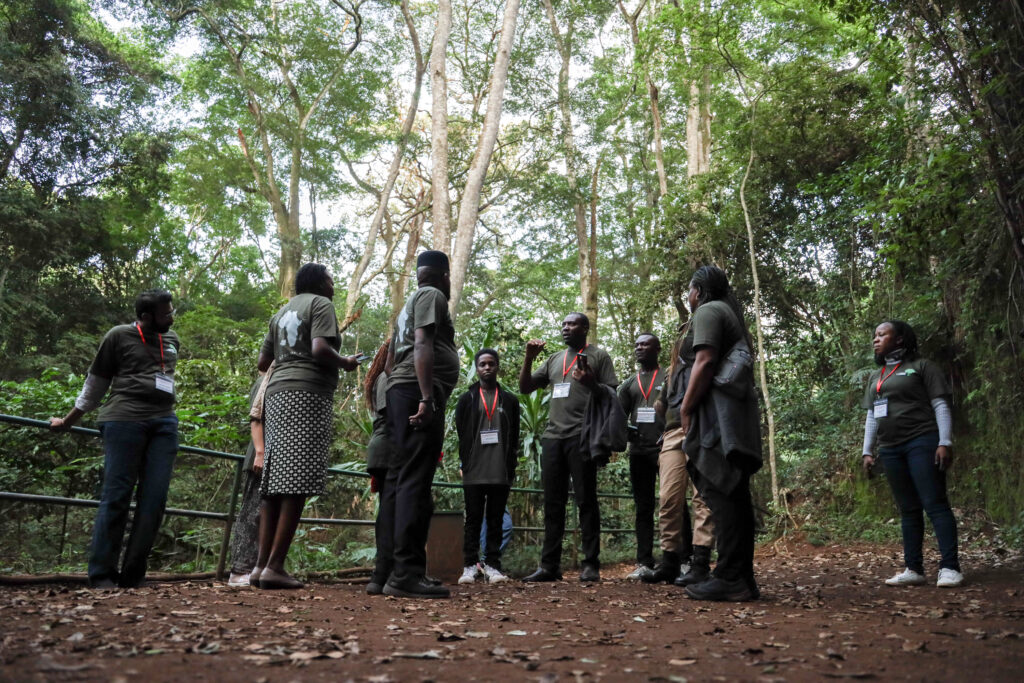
543	576
589	574
700	567
720	590
374	588
431	580
665	571
414	587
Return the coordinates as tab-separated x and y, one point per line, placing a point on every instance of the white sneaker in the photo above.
469	574
493	575
238	580
907	577
637	573
949	578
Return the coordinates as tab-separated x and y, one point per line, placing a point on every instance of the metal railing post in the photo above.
229	523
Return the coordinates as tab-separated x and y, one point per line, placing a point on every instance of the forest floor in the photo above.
824	614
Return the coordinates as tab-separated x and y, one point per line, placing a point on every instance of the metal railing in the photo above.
229	517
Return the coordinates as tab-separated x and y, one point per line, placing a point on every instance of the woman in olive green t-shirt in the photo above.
303	343
907	404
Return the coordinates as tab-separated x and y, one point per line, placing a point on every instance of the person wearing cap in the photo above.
574	374
140	436
424	368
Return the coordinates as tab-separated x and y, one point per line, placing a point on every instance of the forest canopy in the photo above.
844	161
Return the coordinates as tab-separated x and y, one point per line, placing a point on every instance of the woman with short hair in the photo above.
303	344
907	404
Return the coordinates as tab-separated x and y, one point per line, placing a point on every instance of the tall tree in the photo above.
469	207
276	70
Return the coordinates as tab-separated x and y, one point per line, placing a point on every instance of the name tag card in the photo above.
488	436
561	390
645	415
881	408
164	383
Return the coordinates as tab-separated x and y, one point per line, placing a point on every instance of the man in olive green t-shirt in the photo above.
573	375
140	436
423	370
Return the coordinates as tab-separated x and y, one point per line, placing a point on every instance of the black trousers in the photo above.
732	515
562	462
489	500
643	474
384	529
405	503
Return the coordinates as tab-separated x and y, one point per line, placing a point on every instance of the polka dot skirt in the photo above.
297	430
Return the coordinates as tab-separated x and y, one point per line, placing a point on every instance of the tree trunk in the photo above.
579	207
400	283
698	127
632	19
469	209
356	281
761	357
441	208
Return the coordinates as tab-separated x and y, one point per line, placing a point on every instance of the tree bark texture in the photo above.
469	209
441	207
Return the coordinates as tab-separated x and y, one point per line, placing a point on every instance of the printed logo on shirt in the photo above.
289	325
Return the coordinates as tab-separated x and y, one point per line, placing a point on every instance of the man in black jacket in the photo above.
487	420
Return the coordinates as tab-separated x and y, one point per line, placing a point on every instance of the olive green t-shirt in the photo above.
566	414
133	368
713	324
638	392
908	391
290	341
427	306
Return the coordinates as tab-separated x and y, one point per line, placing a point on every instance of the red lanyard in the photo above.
494	406
650	386
882	377
160	339
565	370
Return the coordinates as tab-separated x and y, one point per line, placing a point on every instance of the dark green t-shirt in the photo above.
290	341
643	434
908	392
427	306
566	414
133	368
714	325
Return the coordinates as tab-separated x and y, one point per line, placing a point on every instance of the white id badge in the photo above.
488	436
881	408
645	415
164	383
561	390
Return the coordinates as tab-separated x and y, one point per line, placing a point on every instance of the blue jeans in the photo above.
140	453
918	484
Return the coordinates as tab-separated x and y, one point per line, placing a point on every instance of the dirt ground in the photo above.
824	613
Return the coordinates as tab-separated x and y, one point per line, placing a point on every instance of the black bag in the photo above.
735	374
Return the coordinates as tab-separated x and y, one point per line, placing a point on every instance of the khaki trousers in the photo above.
672	498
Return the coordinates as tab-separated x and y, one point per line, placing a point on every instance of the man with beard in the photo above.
424	368
140	436
574	375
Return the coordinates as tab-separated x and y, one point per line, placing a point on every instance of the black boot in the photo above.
665	571
700	567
